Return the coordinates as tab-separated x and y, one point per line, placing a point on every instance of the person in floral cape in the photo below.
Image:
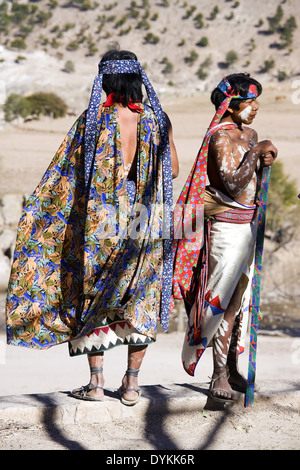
93	261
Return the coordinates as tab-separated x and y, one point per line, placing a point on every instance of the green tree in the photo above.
282	75
274	21
283	209
151	38
287	31
201	73
69	67
83	5
143	24
21	11
203	42
268	65
19	43
16	106
5	18
168	68
191	59
72	46
47	104
43	16
35	105
231	57
199	23
214	13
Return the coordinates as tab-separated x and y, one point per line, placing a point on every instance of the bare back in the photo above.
128	121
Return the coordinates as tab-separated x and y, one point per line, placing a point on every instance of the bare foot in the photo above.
220	389
89	392
92	391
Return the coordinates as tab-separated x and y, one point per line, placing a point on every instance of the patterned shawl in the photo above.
189	210
75	256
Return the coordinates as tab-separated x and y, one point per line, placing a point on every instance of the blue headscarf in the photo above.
133	66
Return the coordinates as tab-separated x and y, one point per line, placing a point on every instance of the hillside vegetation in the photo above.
182	44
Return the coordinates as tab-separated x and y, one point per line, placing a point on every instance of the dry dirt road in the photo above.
271	424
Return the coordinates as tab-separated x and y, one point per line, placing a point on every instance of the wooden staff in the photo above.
256	282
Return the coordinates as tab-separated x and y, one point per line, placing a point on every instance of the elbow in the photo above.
175	167
175	172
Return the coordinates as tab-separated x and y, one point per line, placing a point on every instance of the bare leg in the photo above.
96	369
95	387
220	387
129	388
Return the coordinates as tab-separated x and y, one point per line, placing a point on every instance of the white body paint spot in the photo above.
244	115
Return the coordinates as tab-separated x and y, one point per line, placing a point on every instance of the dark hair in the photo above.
240	82
126	86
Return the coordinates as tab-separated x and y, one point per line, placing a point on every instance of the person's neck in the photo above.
228	119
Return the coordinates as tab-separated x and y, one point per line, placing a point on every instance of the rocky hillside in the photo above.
55	45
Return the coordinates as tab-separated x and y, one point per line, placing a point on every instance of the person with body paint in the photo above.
213	271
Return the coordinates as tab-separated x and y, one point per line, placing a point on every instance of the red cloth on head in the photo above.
111	99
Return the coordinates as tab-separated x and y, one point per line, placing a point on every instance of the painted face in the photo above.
247	111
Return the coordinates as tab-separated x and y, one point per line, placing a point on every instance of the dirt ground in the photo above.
271	424
25	152
232	429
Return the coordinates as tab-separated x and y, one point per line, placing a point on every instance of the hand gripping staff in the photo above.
256	282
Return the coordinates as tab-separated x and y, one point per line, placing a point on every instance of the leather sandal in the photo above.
214	392
82	392
122	391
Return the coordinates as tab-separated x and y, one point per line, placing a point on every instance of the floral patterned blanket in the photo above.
79	255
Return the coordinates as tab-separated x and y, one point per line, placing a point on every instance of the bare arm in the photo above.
236	173
174	157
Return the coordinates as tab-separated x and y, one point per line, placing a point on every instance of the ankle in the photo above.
130	377
132	372
97	375
220	371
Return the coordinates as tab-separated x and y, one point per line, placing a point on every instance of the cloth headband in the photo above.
112	67
225	87
119	66
133	66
